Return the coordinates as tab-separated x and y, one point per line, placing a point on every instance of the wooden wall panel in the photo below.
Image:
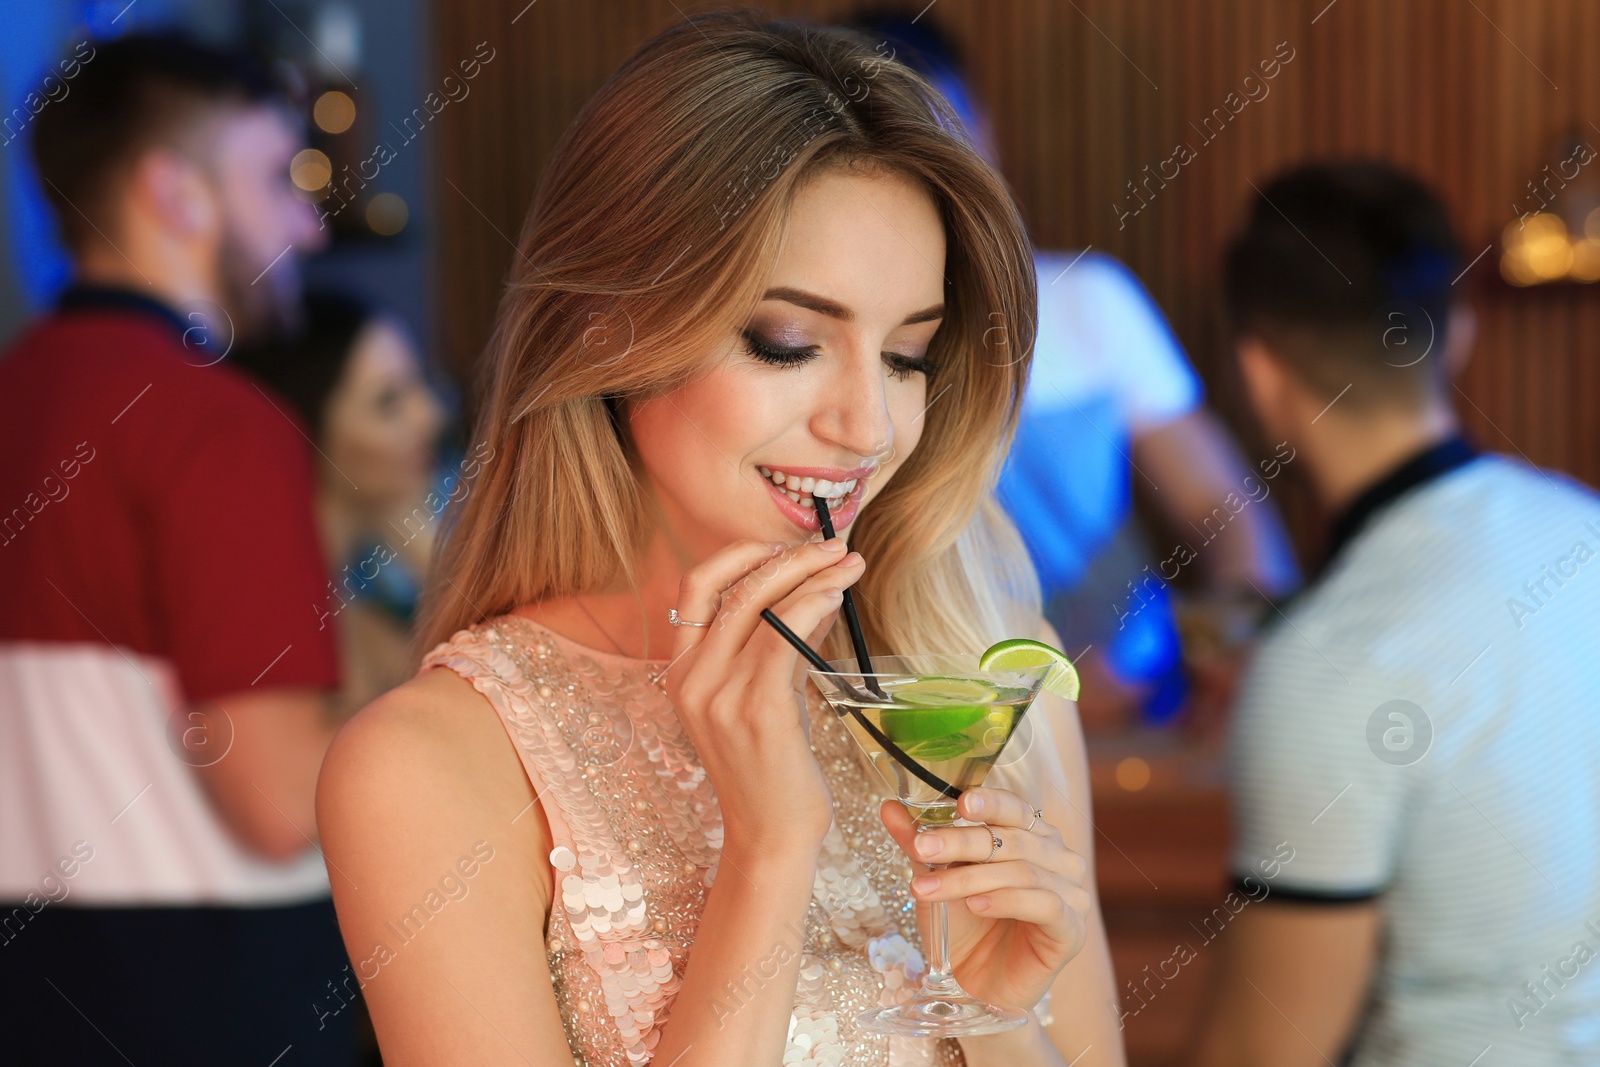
1087	94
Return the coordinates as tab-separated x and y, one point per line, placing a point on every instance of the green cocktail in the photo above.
953	728
933	726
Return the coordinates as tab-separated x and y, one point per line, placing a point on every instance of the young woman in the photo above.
760	253
356	381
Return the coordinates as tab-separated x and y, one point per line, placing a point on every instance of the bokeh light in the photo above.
387	214
1133	774
334	111
310	169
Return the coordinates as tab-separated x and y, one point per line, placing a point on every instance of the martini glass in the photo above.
935	732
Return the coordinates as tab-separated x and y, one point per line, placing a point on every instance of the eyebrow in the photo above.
833	309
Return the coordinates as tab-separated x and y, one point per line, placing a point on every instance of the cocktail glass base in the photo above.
956	1015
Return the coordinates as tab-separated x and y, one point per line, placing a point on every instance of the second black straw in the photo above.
857	637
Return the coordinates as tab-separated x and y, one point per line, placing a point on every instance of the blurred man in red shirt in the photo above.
164	679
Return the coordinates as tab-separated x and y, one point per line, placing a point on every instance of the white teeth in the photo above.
801	490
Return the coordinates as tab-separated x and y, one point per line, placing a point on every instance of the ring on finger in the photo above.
674	619
1038	813
995	846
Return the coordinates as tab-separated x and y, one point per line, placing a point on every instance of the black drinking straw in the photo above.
894	750
857	637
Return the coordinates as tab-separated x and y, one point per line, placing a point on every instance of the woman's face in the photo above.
824	387
382	423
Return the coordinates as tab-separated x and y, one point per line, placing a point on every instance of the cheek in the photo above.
371	445
908	411
706	426
248	218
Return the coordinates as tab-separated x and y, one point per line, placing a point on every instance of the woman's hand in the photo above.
1015	920
736	686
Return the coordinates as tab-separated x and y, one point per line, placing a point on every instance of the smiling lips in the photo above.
800	484
795	491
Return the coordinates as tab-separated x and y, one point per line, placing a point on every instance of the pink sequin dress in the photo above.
638	836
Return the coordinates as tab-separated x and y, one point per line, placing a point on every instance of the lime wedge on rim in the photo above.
1021	653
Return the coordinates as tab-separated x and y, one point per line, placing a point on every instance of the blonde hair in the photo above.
647	246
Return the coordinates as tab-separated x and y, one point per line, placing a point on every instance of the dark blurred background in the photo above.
375	52
1487	101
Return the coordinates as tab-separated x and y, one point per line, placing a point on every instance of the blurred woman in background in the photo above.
355	381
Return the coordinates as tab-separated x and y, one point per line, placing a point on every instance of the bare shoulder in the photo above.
435	725
427	757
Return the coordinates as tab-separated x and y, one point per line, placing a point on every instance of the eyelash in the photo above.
901	367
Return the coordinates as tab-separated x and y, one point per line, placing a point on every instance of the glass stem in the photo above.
938	981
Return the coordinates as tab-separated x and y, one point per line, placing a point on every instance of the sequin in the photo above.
638	838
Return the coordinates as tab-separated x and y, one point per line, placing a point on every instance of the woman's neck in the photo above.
620	619
339	528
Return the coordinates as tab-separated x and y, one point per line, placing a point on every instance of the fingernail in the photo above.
928	845
833	544
978	903
925	883
778	546
852	559
975	803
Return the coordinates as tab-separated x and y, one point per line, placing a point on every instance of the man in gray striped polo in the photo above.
1416	749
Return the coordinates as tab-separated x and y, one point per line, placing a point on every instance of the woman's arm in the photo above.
436	849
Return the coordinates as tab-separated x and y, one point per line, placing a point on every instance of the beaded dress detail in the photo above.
638	836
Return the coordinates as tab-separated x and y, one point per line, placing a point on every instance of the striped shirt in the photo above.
1419	726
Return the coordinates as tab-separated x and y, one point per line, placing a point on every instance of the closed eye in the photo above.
900	366
903	367
777	355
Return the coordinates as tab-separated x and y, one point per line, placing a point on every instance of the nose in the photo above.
853	411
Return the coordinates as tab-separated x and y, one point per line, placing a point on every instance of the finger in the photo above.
955	883
700	592
902	827
813	604
804	611
765	585
976	844
996	807
1061	917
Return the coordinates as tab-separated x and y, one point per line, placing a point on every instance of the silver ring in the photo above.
672	617
1038	813
995	847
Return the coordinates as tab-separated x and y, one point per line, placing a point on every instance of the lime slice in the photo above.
910	726
1021	653
937	691
941	707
